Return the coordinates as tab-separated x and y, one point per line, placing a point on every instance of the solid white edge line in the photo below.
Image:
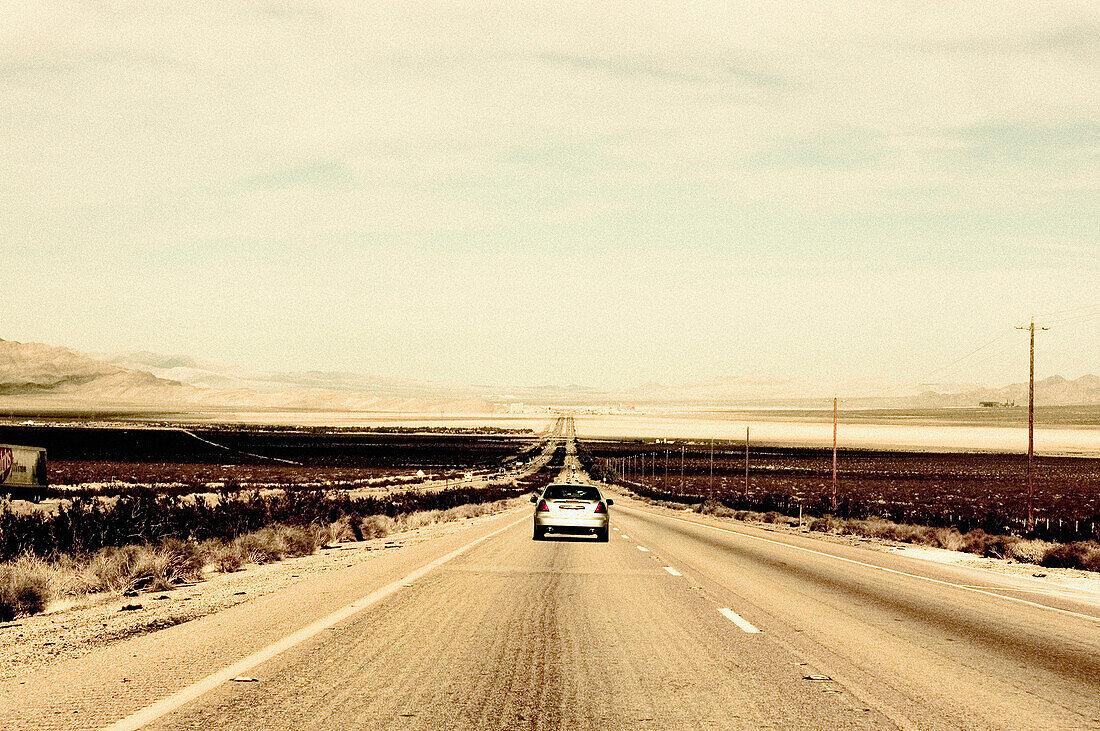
738	620
964	587
643	548
672	571
180	698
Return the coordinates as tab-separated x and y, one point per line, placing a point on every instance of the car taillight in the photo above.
600	508
544	507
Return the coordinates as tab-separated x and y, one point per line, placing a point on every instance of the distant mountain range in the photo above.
761	389
1052	391
151	379
147	379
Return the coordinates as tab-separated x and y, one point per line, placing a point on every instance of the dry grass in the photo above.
717	509
28	584
24	587
1079	555
1028	550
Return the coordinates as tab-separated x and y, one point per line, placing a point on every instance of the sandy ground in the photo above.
72	628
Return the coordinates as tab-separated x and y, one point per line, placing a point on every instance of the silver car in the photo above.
569	508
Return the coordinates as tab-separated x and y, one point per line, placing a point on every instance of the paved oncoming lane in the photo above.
909	637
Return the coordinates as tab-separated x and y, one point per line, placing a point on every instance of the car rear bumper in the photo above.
559	523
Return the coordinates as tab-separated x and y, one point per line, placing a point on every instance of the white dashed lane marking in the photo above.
672	571
166	705
643	548
987	592
738	620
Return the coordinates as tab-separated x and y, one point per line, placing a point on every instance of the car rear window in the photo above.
571	492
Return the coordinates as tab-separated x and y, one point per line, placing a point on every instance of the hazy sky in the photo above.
589	192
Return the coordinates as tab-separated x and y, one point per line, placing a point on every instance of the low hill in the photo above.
52	372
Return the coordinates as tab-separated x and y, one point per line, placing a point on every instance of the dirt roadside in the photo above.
1085	584
70	629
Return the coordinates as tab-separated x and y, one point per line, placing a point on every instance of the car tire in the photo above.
603	535
539	534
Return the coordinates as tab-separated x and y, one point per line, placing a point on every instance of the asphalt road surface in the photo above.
677	623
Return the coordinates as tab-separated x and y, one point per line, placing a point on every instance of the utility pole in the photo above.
746	462
1031	428
834	453
710	489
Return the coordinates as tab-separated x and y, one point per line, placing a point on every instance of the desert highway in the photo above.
679	622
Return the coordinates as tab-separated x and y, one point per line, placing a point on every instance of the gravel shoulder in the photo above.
71	629
1085	584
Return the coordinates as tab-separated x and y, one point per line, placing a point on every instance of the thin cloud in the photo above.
659	70
319	174
1082	37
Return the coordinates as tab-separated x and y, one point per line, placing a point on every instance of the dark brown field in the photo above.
101	458
75	472
965	490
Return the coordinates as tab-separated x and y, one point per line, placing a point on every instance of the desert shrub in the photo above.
1000	546
224	557
819	525
142	516
258	547
910	533
28	582
705	507
948	538
184	559
347	528
1029	550
875	527
418	520
299	541
115	569
376	526
274	543
976	541
230	561
24	587
70	576
1076	555
145	567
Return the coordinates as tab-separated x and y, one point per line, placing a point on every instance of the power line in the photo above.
923	380
955	362
991	356
1071	309
1078	319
